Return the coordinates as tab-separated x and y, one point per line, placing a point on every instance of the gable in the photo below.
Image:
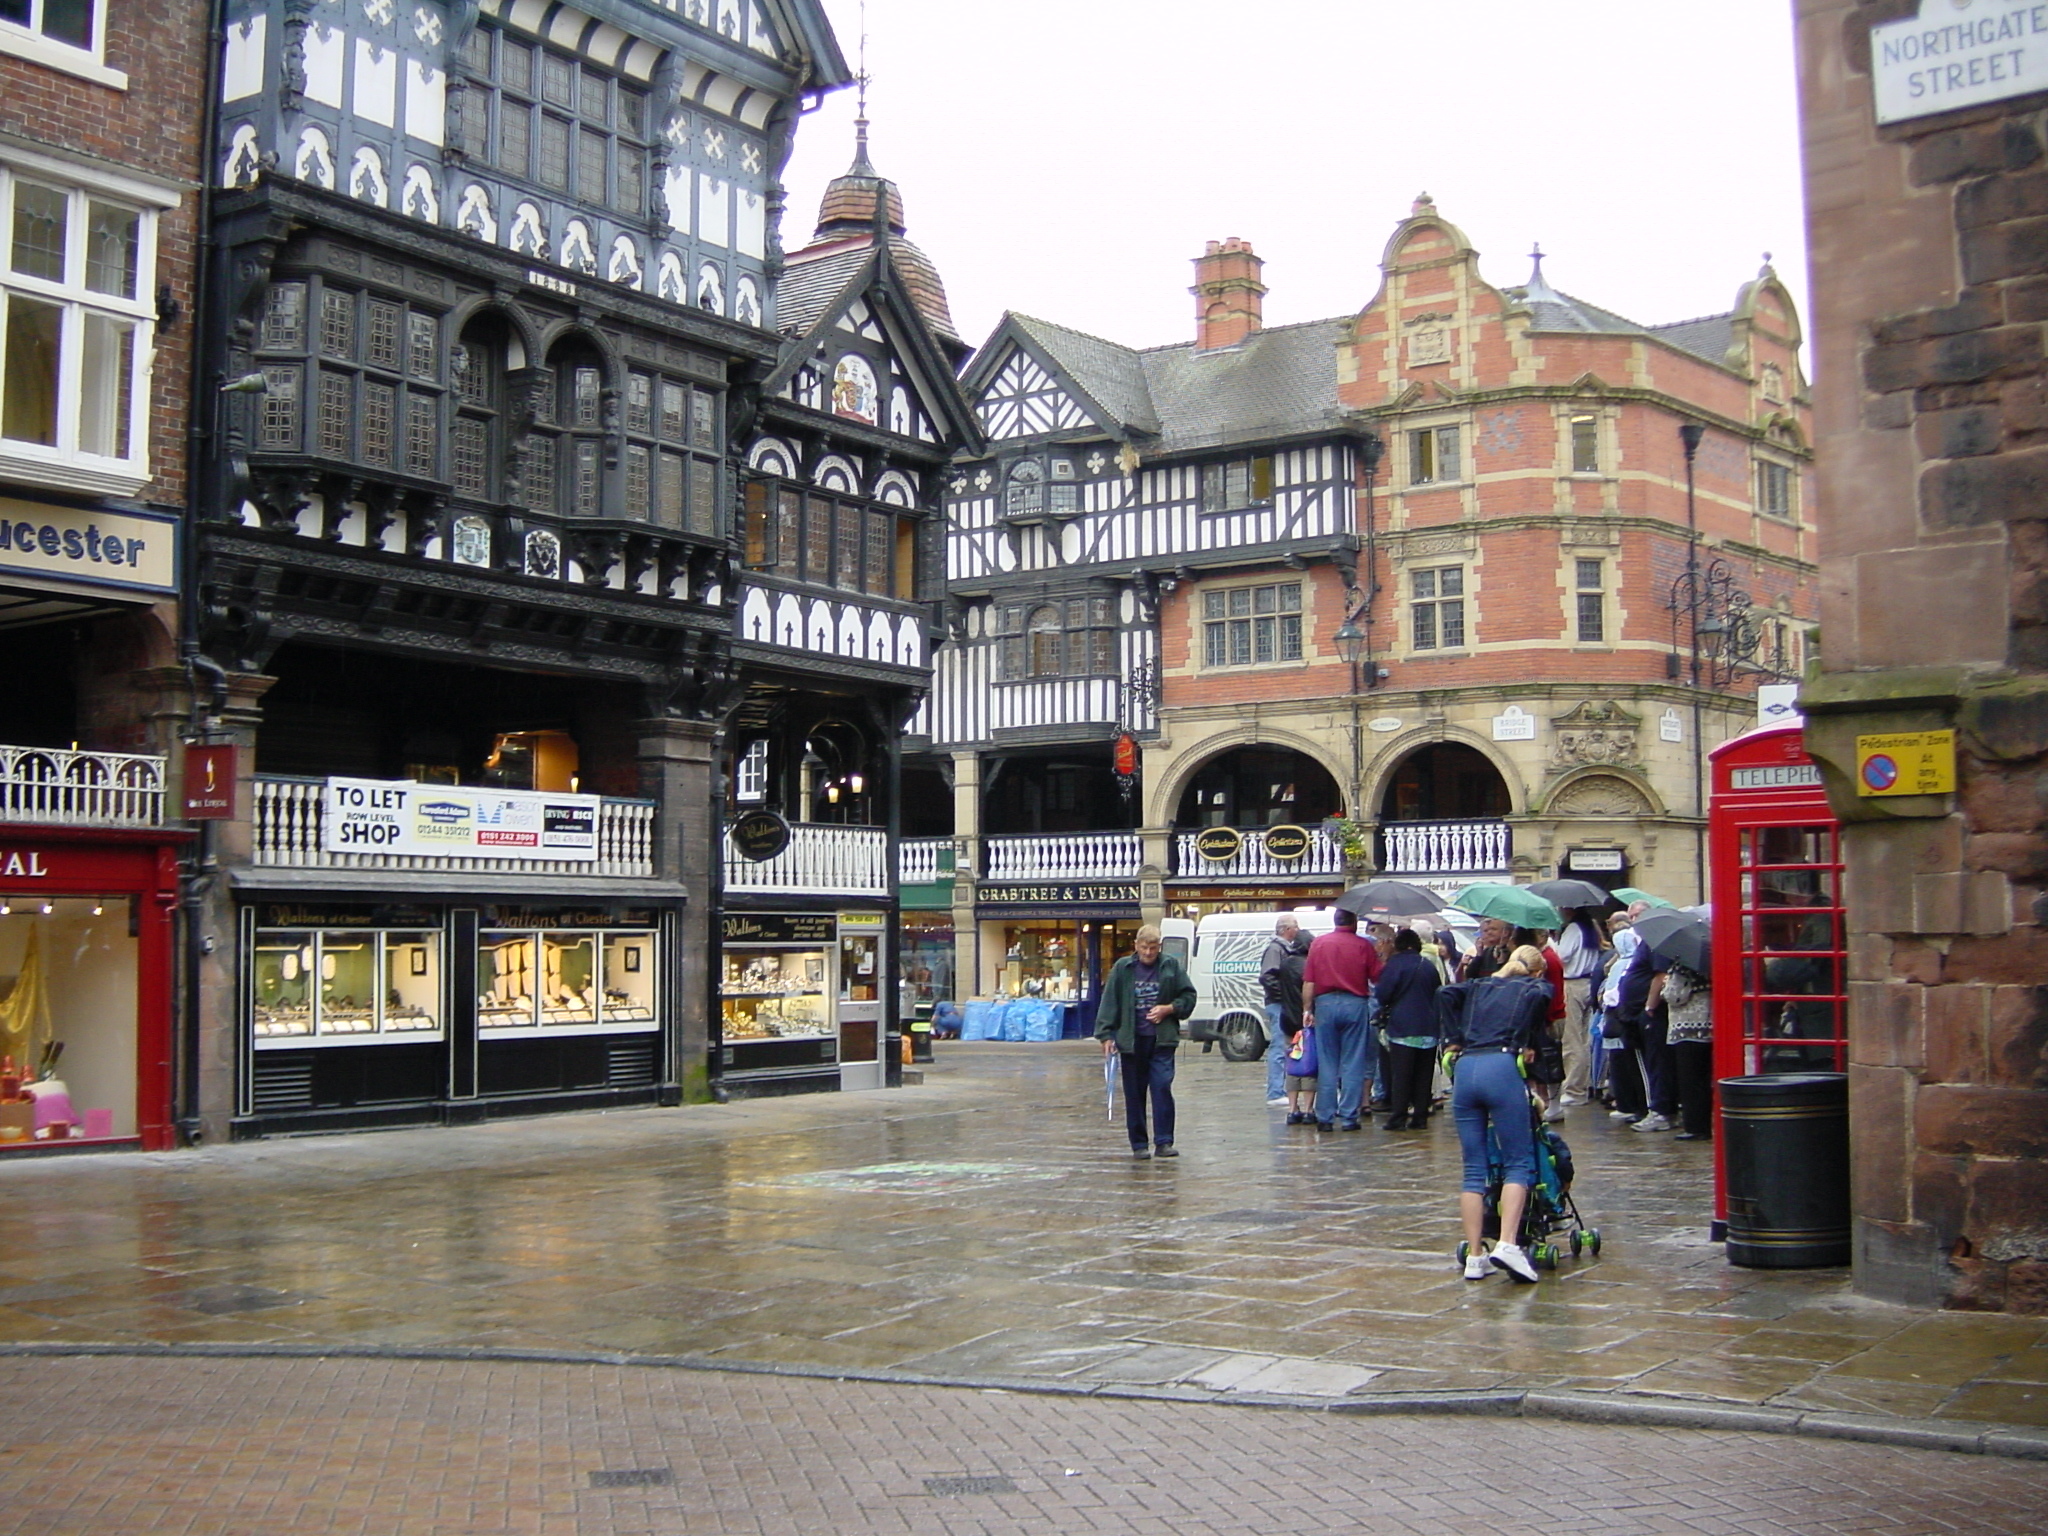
1023	399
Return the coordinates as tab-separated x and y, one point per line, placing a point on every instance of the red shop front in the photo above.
1780	963
86	966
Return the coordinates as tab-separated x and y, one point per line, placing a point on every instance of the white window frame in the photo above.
28	42
1572	422
62	466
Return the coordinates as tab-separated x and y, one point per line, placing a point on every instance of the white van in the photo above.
1230	1005
1223	963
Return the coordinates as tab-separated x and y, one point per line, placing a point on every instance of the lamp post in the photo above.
1349	641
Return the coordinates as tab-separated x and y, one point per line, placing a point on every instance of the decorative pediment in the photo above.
1590	384
1594	733
1599	794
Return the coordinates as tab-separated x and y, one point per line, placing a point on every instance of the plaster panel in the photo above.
376	84
242	63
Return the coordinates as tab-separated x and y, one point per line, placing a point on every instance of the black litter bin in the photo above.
1785	1138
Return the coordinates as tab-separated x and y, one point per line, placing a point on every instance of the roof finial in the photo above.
1766	270
861	164
1539	288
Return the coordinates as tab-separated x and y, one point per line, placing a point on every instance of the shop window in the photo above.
774	994
1240	483
314	986
1585	445
1436	610
1251	626
1592	602
77	323
1433	456
538	981
545	118
67	1017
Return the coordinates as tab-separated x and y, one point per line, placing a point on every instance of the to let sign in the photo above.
1958	53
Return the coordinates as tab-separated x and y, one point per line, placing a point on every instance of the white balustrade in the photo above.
100	789
1050	856
1251	861
922	860
1444	847
290	814
820	860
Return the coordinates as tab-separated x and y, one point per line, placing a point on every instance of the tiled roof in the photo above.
1708	337
1277	382
1550	310
813	279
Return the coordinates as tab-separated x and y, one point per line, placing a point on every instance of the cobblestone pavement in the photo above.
987	1226
255	1447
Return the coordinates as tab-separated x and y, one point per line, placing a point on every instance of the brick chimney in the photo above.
1229	297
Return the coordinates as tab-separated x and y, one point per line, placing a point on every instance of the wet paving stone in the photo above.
986	1224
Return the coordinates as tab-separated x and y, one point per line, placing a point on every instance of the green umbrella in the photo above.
1513	904
1629	894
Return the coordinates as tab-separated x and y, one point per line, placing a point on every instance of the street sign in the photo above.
1906	763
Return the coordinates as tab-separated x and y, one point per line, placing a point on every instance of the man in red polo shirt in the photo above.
1335	986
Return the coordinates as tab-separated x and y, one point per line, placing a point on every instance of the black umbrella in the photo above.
1570	893
1389	898
1679	936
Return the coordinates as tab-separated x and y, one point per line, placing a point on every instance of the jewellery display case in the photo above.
319	986
541	981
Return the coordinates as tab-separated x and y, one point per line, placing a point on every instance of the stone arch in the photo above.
1387	765
524	339
1602	791
1165	789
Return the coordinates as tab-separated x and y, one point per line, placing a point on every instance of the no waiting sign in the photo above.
1906	763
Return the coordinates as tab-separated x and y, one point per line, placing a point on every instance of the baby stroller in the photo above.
1550	1212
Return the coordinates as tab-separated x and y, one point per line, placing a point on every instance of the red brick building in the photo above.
1425	580
1930	293
100	125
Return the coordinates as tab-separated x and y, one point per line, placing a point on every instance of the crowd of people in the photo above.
1399	1019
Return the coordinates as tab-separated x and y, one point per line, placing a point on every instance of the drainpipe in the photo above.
202	427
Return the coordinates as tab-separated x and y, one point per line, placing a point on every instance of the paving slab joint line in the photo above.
1608	1408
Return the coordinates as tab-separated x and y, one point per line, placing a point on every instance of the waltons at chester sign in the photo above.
1959	53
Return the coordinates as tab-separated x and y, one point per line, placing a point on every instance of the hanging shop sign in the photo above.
776	927
1216	844
1286	842
1126	754
209	783
1937	63
759	835
438	820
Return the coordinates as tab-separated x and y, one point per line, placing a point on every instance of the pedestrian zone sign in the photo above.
1906	763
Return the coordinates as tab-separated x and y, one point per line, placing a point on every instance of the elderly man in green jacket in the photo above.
1144	998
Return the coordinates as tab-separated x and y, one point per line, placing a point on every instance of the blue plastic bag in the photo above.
1301	1053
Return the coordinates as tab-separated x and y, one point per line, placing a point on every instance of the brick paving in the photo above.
985	1228
251	1447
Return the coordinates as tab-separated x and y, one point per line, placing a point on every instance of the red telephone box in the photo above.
1780	959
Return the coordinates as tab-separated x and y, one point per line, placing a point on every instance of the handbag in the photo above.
1301	1053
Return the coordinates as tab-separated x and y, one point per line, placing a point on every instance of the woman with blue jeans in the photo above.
1489	1029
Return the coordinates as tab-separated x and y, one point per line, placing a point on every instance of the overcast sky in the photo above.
1068	158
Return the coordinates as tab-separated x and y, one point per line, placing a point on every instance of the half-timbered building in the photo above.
1439	589
495	299
858	421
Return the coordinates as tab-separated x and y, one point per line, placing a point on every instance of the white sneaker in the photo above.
1555	1113
1509	1257
1619	1114
1570	1100
1477	1267
1651	1122
1282	1099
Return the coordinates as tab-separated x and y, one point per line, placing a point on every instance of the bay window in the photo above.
76	321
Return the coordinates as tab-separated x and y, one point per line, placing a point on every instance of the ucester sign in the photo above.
1959	53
